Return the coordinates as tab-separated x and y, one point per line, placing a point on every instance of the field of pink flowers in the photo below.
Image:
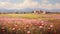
19	25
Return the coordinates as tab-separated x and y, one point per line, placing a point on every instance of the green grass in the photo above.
29	16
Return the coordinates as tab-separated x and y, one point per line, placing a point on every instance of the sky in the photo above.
21	4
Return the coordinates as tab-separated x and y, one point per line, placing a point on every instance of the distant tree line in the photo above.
28	12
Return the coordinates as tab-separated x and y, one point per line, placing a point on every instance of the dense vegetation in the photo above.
29	24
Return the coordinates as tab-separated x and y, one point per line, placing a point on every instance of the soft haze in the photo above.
21	4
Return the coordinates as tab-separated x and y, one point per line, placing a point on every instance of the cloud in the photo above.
46	4
57	5
29	4
7	5
50	6
45	1
33	4
25	4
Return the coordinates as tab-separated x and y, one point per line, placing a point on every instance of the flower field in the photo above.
29	23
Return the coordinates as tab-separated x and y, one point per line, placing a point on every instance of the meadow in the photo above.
37	16
29	23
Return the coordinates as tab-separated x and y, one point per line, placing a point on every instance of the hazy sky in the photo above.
21	4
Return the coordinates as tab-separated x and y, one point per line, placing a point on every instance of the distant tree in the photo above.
16	12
